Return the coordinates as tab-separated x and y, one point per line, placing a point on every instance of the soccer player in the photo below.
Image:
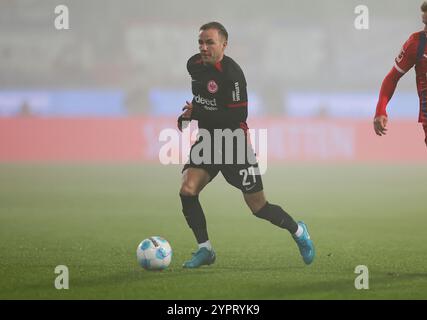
220	102
413	53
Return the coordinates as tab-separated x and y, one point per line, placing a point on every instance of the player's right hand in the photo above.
380	123
185	118
188	110
182	122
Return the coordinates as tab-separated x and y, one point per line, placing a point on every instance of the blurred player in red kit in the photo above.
413	53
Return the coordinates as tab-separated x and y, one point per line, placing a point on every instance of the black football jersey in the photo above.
220	98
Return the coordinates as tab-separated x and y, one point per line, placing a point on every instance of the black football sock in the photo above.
277	216
195	217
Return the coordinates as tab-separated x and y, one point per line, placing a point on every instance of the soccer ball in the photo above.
154	253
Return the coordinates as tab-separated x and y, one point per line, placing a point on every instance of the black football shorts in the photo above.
244	176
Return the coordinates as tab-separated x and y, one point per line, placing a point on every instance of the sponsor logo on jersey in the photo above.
212	86
210	108
400	56
236	92
208	104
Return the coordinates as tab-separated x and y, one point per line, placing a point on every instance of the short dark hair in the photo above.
217	26
424	6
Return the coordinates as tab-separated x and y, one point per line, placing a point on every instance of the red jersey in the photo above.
413	53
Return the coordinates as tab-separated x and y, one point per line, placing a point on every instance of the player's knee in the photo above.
255	201
255	205
189	189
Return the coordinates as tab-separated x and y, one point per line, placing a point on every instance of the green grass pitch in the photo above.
92	217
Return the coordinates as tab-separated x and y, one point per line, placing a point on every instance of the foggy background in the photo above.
123	58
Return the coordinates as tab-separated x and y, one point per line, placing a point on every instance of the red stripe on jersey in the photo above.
237	105
218	66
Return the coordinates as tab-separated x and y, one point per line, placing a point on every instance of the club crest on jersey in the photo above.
212	86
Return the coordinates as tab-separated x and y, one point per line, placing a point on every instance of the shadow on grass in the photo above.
340	286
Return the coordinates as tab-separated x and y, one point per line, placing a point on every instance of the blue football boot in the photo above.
203	256
305	244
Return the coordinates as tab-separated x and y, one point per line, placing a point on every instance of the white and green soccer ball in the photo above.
154	253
